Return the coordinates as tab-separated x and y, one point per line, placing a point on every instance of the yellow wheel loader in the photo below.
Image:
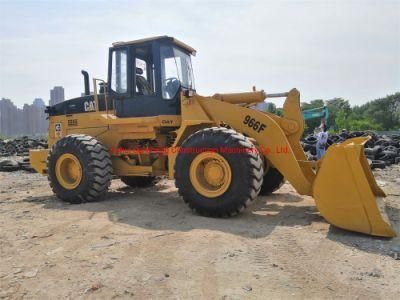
147	120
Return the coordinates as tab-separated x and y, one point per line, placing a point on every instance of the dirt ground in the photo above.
145	243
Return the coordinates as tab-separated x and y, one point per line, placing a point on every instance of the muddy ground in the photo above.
145	243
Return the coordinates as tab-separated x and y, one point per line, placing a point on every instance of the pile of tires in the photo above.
15	164
14	153
21	146
381	150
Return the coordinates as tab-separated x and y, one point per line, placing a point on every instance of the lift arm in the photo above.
278	137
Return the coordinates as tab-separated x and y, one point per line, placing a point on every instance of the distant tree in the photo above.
363	124
271	107
341	121
379	114
335	106
279	111
384	111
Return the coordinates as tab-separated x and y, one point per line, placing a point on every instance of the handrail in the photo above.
96	98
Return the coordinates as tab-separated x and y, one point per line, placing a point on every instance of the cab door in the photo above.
143	96
146	100
119	77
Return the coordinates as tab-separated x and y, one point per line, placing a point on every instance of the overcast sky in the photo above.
326	49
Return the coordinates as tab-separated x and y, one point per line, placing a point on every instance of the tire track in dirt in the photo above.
307	270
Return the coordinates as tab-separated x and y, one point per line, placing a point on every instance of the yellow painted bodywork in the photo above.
38	160
346	192
111	130
342	183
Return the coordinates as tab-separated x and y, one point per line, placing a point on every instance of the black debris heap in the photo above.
14	153
380	150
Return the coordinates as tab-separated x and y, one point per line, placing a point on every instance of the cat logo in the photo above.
167	122
89	106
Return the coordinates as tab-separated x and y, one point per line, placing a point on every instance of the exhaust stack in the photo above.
86	82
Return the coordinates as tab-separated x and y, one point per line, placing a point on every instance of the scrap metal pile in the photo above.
14	153
380	150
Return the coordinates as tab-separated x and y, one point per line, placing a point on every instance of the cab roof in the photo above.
161	38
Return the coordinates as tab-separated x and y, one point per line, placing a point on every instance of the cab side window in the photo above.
144	72
119	71
169	73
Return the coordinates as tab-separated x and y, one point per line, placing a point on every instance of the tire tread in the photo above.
99	167
231	138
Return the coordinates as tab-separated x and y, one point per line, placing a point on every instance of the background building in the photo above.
9	118
29	120
38	102
56	95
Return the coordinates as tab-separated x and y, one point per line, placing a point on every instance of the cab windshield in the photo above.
176	71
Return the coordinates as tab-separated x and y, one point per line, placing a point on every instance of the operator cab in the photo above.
145	76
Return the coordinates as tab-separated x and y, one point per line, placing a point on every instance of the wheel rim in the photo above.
210	174
68	171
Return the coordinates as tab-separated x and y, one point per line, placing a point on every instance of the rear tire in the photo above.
272	181
79	169
138	181
238	175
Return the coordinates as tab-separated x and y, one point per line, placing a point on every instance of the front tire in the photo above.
218	183
79	169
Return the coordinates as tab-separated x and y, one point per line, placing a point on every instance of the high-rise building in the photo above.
9	122
39	103
39	123
56	95
31	119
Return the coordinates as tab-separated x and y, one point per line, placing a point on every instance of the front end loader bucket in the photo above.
346	192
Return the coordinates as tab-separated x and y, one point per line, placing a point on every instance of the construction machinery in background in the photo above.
147	120
319	112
